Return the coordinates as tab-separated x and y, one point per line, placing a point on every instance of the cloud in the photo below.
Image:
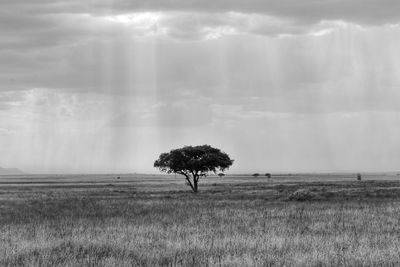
204	26
10	99
118	46
49	23
349	68
359	11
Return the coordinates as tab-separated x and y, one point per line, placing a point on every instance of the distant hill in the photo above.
10	171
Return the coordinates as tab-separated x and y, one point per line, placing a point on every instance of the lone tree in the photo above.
193	162
221	174
268	175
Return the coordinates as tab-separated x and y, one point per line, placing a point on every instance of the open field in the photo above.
146	220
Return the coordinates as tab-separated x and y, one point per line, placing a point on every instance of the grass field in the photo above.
145	220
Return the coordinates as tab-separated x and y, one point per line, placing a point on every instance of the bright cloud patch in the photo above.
204	26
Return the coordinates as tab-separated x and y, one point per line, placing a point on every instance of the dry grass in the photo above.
252	223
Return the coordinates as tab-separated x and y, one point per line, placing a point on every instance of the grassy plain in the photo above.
145	220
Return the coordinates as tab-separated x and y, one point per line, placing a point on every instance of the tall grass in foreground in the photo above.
189	230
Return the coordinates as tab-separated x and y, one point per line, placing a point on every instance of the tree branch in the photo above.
198	175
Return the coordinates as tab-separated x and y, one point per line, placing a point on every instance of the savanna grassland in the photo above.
136	220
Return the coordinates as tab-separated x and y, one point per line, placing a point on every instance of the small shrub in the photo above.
303	195
256	174
358	176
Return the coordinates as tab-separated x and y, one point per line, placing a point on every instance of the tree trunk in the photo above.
189	182
195	184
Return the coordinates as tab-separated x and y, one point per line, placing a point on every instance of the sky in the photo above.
281	86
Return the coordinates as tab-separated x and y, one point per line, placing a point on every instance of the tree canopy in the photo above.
193	162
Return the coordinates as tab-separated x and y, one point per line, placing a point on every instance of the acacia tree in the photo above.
193	162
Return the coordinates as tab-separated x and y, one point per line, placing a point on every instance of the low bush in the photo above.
303	195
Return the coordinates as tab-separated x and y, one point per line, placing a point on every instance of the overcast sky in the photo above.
289	85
